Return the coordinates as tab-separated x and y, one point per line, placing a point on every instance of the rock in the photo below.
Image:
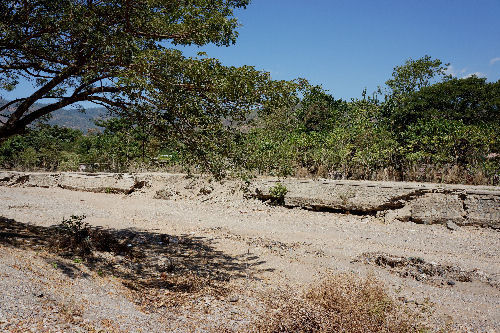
164	194
403	215
234	299
452	226
483	210
451	283
165	265
463	205
437	208
392	201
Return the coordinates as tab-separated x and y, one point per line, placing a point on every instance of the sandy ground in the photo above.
273	246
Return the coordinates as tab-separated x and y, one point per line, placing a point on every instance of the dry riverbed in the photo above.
220	255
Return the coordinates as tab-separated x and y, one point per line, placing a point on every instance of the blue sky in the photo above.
346	46
349	45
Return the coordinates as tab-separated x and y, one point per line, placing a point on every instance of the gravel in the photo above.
275	247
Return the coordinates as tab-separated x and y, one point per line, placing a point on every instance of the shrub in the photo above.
80	238
341	303
69	161
28	158
278	193
74	235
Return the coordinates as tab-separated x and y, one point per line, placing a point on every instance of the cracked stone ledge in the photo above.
105	183
415	202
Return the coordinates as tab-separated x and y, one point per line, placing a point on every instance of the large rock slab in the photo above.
109	183
483	210
438	208
417	202
105	182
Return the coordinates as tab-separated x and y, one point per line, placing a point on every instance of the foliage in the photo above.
360	142
340	303
448	141
118	54
81	239
69	161
188	101
317	110
470	100
415	75
278	193
221	119
74	235
121	55
28	158
441	131
406	80
42	147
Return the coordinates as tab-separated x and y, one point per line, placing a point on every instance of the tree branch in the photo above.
27	66
29	101
107	101
86	96
6	105
87	84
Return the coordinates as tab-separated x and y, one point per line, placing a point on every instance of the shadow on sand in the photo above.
140	259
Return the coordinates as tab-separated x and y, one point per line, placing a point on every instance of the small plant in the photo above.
278	193
74	235
78	237
345	196
75	226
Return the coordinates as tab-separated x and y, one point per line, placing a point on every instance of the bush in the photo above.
278	193
74	235
28	158
341	303
69	162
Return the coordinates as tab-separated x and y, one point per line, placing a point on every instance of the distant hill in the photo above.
73	118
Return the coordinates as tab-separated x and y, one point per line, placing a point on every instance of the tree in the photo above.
318	110
416	74
116	53
200	102
406	80
471	100
41	147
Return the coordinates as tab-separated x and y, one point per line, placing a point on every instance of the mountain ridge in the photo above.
71	117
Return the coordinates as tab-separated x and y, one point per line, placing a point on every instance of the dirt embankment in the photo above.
239	249
417	202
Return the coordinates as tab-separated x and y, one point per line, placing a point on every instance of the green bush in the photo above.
28	158
69	161
74	235
422	130
278	193
440	141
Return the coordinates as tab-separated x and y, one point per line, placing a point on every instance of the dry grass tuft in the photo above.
341	303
